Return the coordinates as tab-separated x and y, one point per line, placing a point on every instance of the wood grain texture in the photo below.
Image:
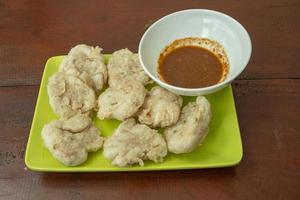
33	31
267	98
270	169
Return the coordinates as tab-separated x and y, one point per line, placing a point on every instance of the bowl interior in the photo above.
197	23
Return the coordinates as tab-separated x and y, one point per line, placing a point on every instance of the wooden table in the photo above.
266	93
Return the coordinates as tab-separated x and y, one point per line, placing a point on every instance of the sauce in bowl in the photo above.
191	64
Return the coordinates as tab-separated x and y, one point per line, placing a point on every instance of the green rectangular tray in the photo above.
221	148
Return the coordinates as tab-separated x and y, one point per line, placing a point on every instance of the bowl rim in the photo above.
212	87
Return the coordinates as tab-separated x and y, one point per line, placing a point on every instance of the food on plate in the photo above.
86	63
161	108
76	123
122	100
133	143
69	141
191	128
72	96
193	63
69	96
124	64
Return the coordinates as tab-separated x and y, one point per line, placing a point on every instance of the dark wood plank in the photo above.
32	31
268	112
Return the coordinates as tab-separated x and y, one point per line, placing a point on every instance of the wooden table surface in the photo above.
266	94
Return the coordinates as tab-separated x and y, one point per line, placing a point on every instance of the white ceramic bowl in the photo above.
196	23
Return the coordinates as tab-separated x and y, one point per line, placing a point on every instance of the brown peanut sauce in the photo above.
190	67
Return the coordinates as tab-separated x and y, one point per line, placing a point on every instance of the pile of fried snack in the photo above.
73	97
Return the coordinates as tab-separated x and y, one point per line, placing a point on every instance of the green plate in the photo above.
221	148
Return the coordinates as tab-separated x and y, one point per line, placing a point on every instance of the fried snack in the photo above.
69	141
86	63
191	128
121	101
69	96
125	65
161	108
133	143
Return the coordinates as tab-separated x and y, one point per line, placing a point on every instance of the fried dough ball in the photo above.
191	128
69	96
69	141
125	65
121	101
161	108
133	143
86	63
